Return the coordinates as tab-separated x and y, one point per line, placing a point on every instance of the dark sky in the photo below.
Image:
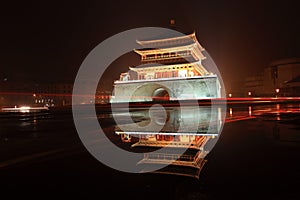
48	40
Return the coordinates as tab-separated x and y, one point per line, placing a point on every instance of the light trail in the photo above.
167	99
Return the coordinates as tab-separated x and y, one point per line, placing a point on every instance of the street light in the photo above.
230	95
277	91
249	93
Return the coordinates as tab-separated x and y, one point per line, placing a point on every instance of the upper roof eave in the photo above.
145	42
168	49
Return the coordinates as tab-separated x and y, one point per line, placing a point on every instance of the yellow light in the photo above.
24	109
277	90
250	110
249	93
230	95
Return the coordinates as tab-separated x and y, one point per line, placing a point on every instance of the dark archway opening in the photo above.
160	94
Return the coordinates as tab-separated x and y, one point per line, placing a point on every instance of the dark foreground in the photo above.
42	157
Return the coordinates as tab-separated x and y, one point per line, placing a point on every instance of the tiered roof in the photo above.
174	46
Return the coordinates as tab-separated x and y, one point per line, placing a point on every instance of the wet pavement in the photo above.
256	156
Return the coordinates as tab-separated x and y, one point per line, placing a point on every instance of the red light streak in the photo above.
37	95
34	95
239	118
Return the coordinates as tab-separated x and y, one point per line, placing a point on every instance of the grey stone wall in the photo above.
178	89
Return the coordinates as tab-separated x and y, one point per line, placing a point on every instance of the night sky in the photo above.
47	41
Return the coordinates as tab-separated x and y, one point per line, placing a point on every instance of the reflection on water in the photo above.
23	125
173	121
185	134
249	110
284	119
196	130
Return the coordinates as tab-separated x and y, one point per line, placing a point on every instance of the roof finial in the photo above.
172	22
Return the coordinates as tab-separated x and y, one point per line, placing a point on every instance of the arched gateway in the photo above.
160	94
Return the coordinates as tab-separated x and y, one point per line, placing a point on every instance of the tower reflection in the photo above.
184	136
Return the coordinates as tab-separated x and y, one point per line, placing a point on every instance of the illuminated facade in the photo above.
171	69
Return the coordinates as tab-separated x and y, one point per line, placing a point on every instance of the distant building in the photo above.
53	94
292	87
102	97
254	85
235	89
33	94
278	79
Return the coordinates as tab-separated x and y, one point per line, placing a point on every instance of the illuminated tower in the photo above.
171	69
